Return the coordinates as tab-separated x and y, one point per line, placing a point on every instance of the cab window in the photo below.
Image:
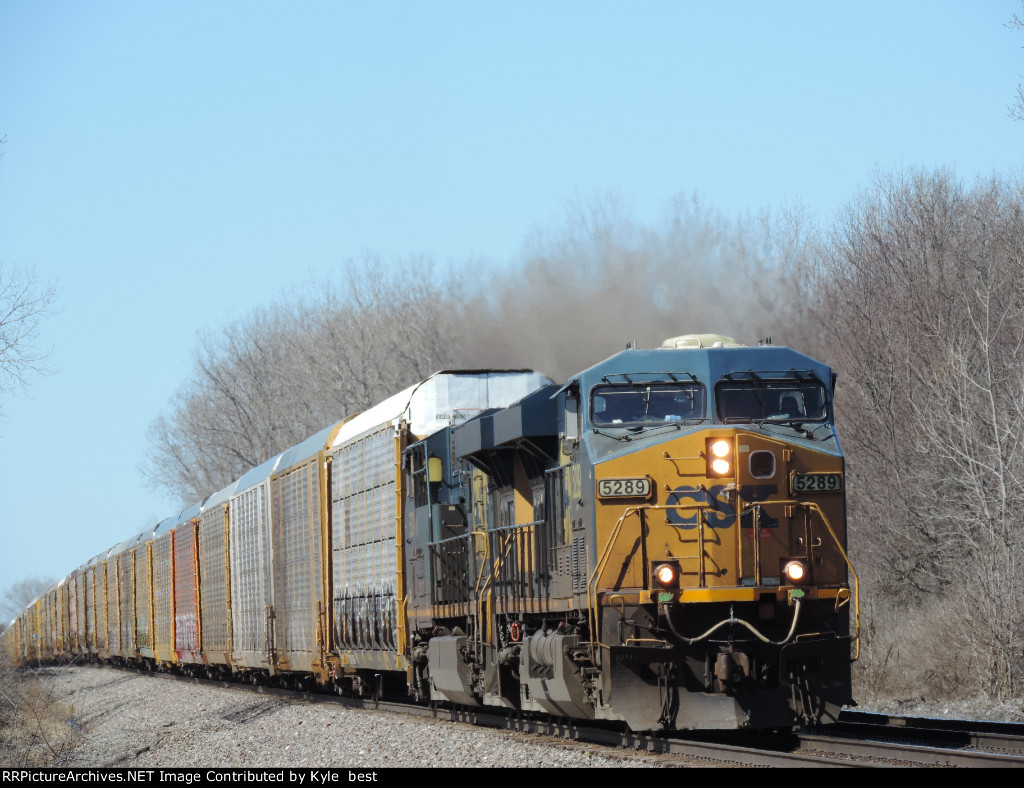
646	404
760	400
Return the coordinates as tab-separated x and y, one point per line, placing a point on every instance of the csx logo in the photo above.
693	501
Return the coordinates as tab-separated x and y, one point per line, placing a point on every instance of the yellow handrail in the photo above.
700	507
849	564
602	562
856	580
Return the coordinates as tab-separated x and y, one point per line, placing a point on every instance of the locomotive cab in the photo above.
720	566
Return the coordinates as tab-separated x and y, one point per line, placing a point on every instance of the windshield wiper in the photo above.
658	425
639	429
796	424
793	423
612	435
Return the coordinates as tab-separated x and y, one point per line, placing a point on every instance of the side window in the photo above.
572	417
539	508
554	510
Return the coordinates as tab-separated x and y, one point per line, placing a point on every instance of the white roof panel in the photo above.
444	399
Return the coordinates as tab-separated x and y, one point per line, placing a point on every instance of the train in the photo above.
660	542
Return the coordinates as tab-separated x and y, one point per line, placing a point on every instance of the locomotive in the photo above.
659	542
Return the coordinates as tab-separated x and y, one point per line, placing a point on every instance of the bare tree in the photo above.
19	596
1017	108
922	290
24	302
969	408
284	372
582	290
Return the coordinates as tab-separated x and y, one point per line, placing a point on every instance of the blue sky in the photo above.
171	166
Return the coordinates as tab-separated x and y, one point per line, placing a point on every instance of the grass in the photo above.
37	721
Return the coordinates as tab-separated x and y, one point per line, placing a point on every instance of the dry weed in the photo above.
37	721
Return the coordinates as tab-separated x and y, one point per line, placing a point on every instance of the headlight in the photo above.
795	571
666	575
719	456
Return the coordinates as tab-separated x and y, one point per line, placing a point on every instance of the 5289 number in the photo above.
817	482
623	488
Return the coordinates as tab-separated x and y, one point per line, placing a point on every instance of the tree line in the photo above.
921	291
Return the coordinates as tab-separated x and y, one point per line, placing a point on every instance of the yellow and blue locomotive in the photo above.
660	541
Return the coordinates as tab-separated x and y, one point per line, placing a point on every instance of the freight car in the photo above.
660	541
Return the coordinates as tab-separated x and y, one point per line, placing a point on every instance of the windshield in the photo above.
645	404
757	400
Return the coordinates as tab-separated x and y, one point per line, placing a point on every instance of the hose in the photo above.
734	620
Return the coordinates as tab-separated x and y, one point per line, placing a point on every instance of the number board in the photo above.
817	482
623	488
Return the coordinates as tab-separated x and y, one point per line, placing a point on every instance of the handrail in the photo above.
603	560
849	564
595	642
488	585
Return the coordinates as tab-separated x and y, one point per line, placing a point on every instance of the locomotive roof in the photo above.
707	364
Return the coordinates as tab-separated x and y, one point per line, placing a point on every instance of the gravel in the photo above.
138	721
124	719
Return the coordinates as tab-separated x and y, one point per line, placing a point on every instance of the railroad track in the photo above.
858	740
921	741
